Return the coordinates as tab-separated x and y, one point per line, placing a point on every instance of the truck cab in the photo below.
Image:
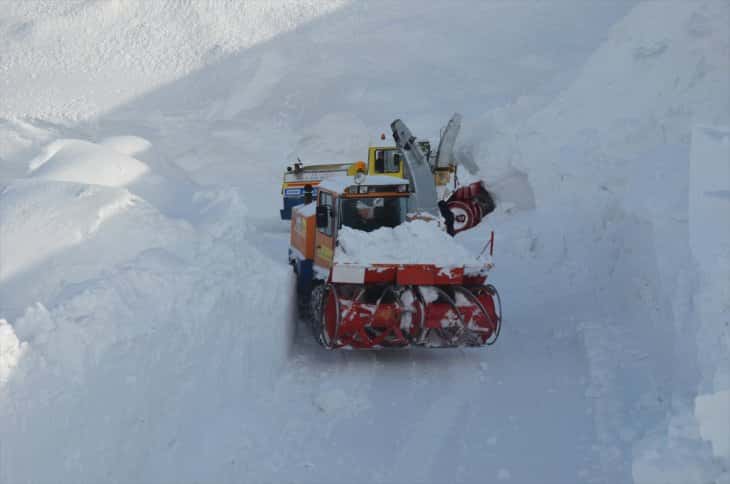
371	202
298	178
388	160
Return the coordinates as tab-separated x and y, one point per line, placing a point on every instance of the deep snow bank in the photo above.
56	235
112	162
612	163
41	218
160	351
85	162
11	350
136	341
629	98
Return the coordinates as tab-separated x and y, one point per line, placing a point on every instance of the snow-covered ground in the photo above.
147	332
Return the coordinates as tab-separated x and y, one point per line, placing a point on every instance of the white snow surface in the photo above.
147	325
11	349
84	162
41	218
77	59
412	242
711	412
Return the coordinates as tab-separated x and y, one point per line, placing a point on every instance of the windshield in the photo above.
368	214
387	161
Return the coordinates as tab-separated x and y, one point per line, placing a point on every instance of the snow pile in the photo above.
628	168
645	101
41	218
111	162
11	350
135	353
55	235
712	413
85	162
125	320
128	145
131	338
19	141
414	242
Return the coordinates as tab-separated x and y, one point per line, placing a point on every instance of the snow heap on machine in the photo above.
420	240
414	242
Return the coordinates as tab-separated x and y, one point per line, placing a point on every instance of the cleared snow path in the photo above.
439	415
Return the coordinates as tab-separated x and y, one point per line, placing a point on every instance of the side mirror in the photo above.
322	216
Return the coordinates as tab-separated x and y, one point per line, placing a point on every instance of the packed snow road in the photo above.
452	415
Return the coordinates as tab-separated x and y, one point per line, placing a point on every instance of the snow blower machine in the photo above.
370	304
466	197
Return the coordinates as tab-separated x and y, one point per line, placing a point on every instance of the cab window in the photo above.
387	161
368	214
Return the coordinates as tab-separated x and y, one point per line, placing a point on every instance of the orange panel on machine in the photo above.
449	276
428	275
416	274
380	273
302	232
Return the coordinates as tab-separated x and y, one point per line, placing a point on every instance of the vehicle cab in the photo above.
299	184
363	202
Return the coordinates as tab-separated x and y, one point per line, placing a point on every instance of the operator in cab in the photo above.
368	214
